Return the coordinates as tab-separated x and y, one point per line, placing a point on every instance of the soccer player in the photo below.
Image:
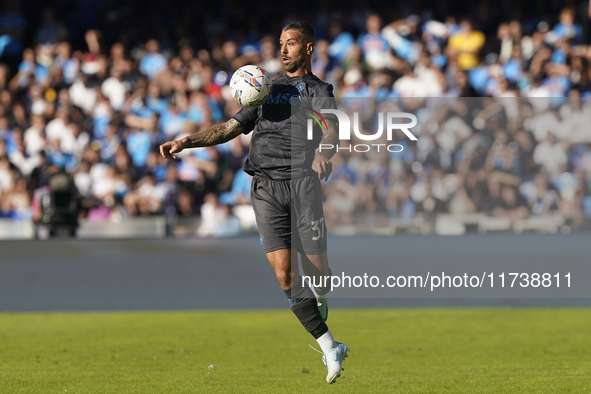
285	190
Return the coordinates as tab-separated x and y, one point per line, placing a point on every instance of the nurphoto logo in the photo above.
391	120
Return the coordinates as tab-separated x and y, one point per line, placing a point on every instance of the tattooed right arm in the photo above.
214	135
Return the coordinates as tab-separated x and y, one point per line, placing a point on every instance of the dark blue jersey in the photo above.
280	148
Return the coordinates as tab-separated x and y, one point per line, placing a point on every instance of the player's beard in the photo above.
294	65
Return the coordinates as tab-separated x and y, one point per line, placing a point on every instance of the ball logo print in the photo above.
237	95
251	86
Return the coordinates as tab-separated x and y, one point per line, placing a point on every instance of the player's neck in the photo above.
307	68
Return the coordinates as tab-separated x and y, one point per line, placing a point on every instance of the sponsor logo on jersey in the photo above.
283	99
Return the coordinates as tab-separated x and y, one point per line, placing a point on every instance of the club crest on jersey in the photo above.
301	86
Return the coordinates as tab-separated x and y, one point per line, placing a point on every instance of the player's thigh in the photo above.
315	264
309	215
272	213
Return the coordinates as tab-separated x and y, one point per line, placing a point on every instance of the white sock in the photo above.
326	341
314	291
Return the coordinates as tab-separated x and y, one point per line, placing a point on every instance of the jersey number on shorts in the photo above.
318	226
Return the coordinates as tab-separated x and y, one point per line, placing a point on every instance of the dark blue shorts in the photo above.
289	214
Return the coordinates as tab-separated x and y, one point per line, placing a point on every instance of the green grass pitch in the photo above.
393	351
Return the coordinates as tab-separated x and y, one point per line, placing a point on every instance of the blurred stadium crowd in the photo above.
93	87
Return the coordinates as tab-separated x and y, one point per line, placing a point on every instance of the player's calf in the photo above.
304	305
320	286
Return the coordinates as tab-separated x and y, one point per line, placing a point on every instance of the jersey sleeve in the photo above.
247	117
325	99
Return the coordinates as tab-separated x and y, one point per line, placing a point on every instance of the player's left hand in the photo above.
322	166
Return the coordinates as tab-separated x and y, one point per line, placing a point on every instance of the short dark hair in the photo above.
305	29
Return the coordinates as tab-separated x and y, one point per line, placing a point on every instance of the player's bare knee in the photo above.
284	278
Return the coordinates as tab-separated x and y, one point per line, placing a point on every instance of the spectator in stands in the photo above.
375	48
153	63
542	199
51	31
466	45
12	29
512	205
566	29
228	225
550	154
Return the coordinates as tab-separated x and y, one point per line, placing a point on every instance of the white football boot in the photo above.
333	359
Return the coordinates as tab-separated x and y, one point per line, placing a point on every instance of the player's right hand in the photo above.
168	149
322	166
